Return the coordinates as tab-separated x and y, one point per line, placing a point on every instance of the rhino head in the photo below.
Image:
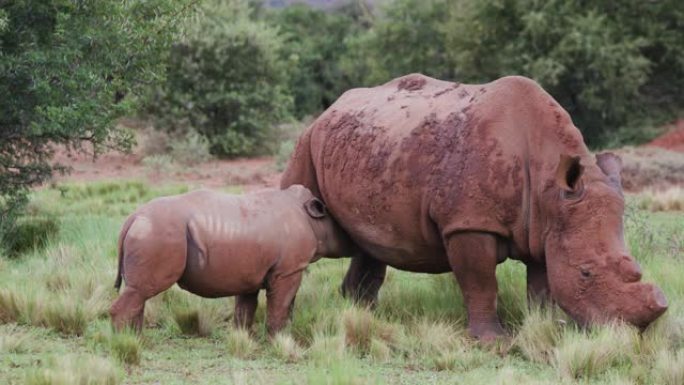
591	274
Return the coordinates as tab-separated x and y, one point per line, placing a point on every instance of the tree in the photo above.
68	69
314	42
226	79
407	36
613	66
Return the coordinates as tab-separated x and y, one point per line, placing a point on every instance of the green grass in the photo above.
55	295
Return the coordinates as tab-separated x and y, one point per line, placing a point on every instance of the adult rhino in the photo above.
433	176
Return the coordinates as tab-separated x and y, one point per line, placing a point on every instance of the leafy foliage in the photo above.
226	80
614	68
606	64
314	45
71	68
406	37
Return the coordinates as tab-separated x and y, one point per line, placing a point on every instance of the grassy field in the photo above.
57	284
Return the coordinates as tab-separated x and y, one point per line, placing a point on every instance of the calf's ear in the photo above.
315	208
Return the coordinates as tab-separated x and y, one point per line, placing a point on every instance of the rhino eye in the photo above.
585	273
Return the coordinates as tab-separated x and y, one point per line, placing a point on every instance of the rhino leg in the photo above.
363	280
128	310
473	259
537	284
147	272
280	294
245	307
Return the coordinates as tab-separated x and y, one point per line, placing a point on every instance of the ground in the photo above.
56	289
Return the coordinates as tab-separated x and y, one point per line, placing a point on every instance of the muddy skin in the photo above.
217	245
433	176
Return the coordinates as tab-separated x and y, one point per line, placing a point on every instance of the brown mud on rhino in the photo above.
433	176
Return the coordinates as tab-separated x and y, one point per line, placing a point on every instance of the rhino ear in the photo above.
315	208
611	165
569	173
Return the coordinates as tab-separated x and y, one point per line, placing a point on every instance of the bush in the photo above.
314	44
72	68
28	233
158	164
225	80
614	69
190	149
604	64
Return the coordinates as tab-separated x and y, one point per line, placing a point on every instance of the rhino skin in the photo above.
434	176
216	245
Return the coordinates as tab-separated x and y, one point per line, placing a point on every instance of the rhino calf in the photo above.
218	245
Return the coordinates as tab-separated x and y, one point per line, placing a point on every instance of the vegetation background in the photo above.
234	78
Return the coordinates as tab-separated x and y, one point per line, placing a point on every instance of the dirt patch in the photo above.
672	140
249	173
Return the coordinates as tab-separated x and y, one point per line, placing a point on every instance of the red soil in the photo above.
673	139
251	174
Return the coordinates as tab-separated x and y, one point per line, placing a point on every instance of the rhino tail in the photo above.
301	168
122	236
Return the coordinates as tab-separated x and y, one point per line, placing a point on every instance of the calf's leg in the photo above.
128	310
280	298
145	275
473	259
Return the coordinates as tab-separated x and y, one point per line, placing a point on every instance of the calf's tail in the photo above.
122	236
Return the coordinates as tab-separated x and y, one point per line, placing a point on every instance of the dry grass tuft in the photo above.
327	349
361	327
649	167
10	306
240	344
67	316
126	346
669	368
286	348
538	336
194	321
379	350
669	199
15	341
581	355
84	370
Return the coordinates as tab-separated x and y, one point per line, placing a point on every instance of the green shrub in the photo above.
283	154
226	80
158	164
29	233
190	149
67	316
314	44
616	70
72	68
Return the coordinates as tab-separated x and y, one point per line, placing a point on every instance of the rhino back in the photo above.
404	164
234	241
